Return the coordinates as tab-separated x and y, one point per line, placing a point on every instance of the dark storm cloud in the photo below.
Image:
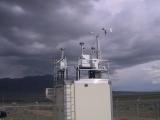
31	31
136	33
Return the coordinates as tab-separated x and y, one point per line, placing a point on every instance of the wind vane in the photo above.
105	30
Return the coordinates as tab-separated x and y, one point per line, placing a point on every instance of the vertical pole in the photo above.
157	110
54	107
82	47
98	49
138	100
116	110
66	74
37	107
77	73
62	53
108	68
54	73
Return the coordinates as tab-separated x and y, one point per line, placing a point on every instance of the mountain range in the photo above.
32	88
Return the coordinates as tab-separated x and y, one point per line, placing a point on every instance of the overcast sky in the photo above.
32	31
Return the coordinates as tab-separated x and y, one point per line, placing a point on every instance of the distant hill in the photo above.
32	88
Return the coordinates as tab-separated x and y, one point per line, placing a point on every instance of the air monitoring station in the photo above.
89	95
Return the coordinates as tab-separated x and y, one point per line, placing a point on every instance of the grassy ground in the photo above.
140	107
28	112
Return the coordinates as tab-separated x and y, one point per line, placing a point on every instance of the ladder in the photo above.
69	110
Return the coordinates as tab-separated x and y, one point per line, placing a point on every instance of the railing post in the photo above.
116	109
137	108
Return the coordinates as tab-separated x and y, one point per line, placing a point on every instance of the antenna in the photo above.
82	47
98	47
62	53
